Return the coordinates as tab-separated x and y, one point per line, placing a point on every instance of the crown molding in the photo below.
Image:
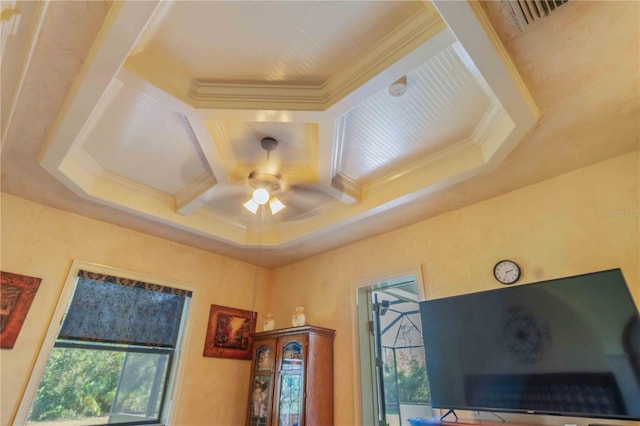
310	214
293	97
91	167
121	184
489	121
206	94
416	31
124	194
190	197
160	74
347	186
439	160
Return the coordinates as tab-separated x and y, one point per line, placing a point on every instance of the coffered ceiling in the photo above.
162	125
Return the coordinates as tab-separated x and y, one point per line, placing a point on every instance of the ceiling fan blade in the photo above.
306	195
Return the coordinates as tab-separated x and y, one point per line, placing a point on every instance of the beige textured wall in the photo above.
41	241
555	228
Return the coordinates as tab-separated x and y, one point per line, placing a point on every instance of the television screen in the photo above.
568	346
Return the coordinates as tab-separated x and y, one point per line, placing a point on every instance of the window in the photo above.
113	355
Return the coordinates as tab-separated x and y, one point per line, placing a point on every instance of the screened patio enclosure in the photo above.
405	384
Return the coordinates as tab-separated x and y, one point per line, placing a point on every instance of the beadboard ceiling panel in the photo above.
274	41
145	141
442	105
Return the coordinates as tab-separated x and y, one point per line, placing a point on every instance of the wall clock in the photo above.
507	271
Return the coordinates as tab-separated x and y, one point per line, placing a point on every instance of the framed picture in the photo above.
229	333
16	294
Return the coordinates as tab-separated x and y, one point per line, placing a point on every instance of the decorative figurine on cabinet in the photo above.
299	319
269	323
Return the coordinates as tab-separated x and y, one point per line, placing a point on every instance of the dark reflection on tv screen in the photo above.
569	346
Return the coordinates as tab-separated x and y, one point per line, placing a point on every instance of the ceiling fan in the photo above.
265	184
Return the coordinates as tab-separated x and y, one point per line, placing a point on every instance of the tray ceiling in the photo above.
166	117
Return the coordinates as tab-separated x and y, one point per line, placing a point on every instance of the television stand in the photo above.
451	411
477	422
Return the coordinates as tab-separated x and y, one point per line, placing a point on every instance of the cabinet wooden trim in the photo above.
309	329
316	374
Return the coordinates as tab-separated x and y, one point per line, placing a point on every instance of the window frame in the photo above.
174	379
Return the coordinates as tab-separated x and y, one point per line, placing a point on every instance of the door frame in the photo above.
364	362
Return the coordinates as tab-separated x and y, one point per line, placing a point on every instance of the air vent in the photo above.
528	11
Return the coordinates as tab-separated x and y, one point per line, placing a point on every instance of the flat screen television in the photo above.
568	346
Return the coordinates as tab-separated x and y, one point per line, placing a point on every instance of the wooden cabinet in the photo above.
292	378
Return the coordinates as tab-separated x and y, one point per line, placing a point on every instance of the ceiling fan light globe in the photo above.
252	206
276	205
260	196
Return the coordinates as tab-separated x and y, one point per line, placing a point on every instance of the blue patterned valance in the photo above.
111	309
132	283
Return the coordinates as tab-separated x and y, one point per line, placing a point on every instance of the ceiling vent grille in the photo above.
528	11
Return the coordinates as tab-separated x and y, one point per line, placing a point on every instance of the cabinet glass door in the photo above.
291	401
264	358
260	401
262	383
292	356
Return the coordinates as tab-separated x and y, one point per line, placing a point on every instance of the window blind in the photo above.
110	309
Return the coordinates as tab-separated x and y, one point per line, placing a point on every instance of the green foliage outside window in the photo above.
411	387
77	384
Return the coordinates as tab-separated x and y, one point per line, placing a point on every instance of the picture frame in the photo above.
230	333
16	294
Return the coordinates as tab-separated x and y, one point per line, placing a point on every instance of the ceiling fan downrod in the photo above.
262	179
268	144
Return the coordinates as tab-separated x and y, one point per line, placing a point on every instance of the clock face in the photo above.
506	271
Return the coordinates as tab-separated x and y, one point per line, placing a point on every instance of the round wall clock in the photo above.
507	271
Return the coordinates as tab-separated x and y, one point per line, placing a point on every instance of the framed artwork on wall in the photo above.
16	294
229	333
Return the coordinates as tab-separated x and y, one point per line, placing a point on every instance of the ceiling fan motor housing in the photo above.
269	181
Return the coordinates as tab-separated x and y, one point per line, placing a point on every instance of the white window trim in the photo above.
54	327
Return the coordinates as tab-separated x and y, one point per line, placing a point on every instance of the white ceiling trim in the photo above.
207	147
190	197
477	37
153	25
15	33
85	160
349	187
115	183
122	27
123	194
404	41
437	161
488	122
149	68
437	43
